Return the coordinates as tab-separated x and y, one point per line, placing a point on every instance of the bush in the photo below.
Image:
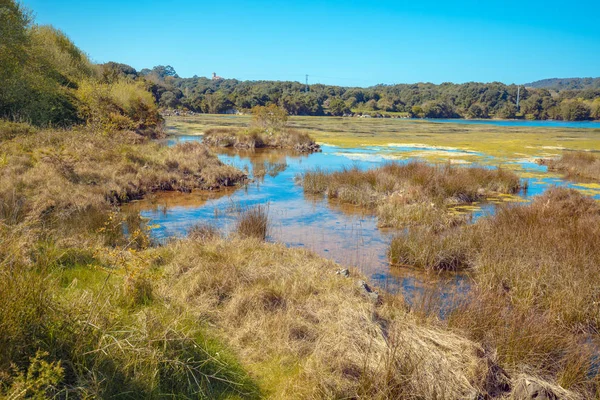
123	105
270	118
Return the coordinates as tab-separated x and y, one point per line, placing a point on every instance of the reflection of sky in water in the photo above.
342	233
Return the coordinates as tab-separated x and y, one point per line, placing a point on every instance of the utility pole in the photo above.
518	96
306	89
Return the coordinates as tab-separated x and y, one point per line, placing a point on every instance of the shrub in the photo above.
269	118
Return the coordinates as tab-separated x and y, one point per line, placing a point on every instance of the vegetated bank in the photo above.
415	193
579	164
535	266
268	129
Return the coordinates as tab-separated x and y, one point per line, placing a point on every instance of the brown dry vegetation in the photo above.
577	164
203	317
256	138
306	332
415	193
536	268
71	171
79	316
253	222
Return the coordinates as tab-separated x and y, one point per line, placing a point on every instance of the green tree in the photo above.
508	111
417	111
270	118
574	110
338	107
477	111
595	109
169	100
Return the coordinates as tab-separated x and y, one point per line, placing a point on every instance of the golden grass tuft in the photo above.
253	222
580	164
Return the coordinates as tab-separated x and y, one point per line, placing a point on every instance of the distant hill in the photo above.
566	83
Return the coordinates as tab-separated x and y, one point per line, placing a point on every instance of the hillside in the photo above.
565	84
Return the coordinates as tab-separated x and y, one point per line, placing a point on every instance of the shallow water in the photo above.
343	233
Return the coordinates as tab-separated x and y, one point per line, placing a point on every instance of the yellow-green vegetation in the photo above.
415	193
576	164
503	142
535	266
85	321
47	81
268	129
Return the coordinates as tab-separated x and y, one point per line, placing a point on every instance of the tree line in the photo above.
421	100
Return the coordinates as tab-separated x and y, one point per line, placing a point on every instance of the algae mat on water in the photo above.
470	141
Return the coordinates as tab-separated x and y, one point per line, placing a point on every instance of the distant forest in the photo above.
420	100
566	83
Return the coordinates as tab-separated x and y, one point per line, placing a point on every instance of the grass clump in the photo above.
268	129
10	130
580	164
253	222
444	251
256	138
415	193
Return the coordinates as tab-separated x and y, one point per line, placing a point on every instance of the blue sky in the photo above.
349	43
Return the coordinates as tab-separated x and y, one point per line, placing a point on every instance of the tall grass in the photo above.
581	164
96	348
66	171
306	332
253	222
415	193
536	271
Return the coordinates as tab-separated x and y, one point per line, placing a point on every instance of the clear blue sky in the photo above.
350	43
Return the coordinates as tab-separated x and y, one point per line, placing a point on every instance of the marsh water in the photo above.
345	234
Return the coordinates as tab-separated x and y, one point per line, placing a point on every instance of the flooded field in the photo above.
341	232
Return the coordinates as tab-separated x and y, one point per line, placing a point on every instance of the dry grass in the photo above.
255	138
415	193
306	332
544	254
253	222
577	164
97	343
68	171
536	269
444	251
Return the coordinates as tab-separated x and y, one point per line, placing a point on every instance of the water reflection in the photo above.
340	232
